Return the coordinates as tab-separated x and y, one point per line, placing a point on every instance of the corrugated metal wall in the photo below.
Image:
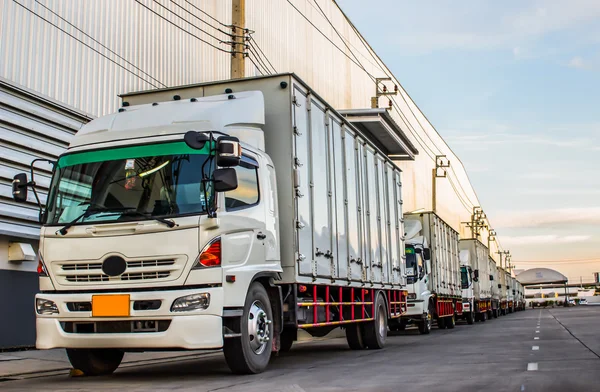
30	127
35	53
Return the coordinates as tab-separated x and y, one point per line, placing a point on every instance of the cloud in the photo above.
577	62
543	239
547	218
487	139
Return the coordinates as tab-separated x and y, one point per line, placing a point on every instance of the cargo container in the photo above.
433	273
510	293
494	309
220	215
503	291
474	261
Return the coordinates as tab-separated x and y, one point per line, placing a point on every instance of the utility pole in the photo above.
477	222
506	259
238	29
375	99
439	164
491	237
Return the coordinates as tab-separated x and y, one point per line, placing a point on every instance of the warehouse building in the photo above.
64	62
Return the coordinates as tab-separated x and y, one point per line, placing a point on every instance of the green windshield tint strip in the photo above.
410	251
112	154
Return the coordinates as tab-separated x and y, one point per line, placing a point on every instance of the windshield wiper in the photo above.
134	212
92	209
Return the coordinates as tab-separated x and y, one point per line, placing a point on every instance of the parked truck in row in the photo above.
433	273
221	215
477	292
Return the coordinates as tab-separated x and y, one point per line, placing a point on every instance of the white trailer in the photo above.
166	227
503	289
494	310
433	273
478	297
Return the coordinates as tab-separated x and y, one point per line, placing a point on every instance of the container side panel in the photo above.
393	227
353	195
400	229
374	231
303	199
364	207
383	220
339	188
320	188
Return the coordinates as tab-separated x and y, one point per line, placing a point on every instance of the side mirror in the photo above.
499	286
475	275
195	140
19	188
229	151
427	254
225	179
491	277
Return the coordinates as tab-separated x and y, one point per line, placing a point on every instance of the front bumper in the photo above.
415	310
198	329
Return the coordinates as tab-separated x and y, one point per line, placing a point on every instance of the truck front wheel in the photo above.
470	318
250	353
95	362
425	324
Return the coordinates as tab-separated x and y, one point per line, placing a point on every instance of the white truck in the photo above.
477	297
433	273
510	293
166	227
494	310
503	289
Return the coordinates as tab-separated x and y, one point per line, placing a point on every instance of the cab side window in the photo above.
247	193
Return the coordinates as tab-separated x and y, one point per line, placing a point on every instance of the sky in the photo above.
514	88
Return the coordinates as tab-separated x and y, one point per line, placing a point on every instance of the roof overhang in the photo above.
384	131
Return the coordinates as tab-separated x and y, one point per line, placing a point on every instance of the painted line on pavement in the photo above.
532	366
535	348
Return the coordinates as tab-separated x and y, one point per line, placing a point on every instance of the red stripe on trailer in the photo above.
352	300
315	316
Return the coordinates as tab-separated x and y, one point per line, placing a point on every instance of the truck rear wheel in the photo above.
95	362
470	318
450	322
354	336
376	329
441	322
250	353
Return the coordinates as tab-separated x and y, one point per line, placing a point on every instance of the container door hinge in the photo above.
299	225
297	131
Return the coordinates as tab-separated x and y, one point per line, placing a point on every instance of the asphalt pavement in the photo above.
550	350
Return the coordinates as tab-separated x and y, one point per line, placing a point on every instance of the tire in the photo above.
376	329
441	322
250	353
450	322
425	324
495	313
490	314
286	339
95	362
483	317
354	336
470	318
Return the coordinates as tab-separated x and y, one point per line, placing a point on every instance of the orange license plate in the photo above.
110	305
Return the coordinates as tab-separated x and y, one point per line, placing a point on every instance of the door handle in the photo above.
261	236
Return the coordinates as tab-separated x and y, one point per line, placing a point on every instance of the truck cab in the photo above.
466	284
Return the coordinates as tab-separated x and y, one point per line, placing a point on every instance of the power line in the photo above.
99	43
85	44
251	52
190	23
207	14
257	67
203	21
261	51
328	39
182	29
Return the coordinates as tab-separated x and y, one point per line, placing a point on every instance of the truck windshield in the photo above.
411	262
464	278
129	183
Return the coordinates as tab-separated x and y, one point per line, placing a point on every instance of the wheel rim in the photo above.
429	318
381	322
258	328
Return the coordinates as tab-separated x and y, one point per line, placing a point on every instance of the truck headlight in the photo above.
191	302
45	306
411	296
